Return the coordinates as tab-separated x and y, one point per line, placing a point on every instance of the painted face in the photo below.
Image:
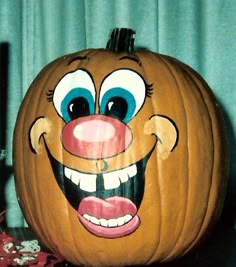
120	156
98	138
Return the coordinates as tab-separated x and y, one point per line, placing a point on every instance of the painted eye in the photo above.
74	95
122	94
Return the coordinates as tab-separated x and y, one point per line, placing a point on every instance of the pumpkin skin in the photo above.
175	131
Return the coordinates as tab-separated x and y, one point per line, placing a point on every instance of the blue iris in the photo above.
119	103
77	103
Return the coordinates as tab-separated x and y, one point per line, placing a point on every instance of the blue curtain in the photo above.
201	33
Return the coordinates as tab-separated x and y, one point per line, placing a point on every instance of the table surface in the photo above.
219	250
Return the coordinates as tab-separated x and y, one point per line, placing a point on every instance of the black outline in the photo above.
78	58
173	123
32	124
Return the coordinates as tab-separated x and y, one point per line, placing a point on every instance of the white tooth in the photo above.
127	218
91	219
86	216
88	182
112	222
111	180
120	221
123	176
67	172
75	177
132	170
95	220
103	222
108	223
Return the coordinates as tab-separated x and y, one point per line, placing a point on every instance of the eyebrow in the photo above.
134	58
78	58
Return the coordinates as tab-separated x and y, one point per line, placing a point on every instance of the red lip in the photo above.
110	208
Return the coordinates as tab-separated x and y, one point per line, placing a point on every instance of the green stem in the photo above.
121	40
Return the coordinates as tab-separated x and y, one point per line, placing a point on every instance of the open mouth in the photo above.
106	204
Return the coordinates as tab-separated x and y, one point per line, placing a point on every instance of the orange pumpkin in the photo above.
120	156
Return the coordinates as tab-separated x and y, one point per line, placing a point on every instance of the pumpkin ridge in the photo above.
40	212
189	76
169	66
212	168
24	188
204	219
187	207
54	247
79	253
158	163
143	63
213	148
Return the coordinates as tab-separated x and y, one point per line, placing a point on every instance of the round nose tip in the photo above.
96	136
94	131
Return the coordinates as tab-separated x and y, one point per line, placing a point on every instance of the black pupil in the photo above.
117	107
78	107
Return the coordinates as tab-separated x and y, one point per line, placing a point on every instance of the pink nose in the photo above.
96	136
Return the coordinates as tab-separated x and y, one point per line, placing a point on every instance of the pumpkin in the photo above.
120	156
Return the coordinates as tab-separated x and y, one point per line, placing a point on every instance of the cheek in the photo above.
142	142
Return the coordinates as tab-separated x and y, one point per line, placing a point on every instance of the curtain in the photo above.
201	33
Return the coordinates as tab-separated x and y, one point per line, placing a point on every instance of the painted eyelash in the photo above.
149	90
50	95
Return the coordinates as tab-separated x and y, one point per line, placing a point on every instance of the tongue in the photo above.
112	207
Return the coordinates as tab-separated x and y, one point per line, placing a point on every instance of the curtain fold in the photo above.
201	33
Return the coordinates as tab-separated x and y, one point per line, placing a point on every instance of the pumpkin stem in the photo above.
121	40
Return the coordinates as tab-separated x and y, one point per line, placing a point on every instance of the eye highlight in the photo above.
122	94
74	95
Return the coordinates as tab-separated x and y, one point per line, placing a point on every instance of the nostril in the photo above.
94	131
96	136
